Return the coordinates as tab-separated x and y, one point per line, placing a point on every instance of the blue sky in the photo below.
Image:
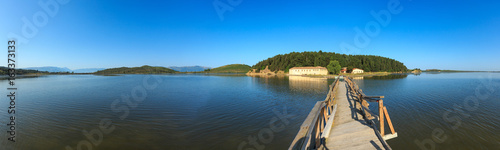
113	33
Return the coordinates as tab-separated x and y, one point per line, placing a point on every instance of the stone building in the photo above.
308	71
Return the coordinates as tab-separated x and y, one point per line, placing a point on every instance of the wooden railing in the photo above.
382	116
318	123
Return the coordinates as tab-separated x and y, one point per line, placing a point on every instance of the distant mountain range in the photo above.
92	70
88	70
189	68
50	69
64	69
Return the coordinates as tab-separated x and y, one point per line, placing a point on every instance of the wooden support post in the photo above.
381	115
328	109
389	120
325	116
318	134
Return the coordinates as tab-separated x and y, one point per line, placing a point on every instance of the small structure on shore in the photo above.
308	71
357	70
344	70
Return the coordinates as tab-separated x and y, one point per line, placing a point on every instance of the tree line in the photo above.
369	63
5	71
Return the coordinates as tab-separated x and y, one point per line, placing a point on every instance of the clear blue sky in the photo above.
426	34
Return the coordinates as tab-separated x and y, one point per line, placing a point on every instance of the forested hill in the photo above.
5	71
369	63
137	70
232	68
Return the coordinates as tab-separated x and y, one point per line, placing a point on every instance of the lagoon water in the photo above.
227	111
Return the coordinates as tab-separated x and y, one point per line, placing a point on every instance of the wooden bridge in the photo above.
343	121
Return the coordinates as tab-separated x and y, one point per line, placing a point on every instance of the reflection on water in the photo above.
221	112
183	112
358	78
424	105
307	84
6	77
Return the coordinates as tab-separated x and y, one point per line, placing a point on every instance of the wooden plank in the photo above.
379	136
300	138
329	123
314	122
390	136
389	120
350	130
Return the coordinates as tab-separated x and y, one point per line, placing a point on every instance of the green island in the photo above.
369	63
232	68
137	70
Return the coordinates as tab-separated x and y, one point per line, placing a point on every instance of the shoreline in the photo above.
369	74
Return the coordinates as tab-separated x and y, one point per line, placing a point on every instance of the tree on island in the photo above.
334	67
369	63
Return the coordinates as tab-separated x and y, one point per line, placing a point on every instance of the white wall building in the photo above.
356	70
308	71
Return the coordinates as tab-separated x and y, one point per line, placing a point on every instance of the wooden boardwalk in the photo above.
350	130
344	121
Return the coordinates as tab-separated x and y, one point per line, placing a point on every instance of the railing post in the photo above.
381	115
389	122
318	132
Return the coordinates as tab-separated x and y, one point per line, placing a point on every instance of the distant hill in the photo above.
233	68
5	71
88	70
64	69
137	70
369	63
50	69
189	68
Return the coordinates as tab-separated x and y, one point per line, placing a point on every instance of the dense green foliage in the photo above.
369	63
136	70
5	71
334	67
233	68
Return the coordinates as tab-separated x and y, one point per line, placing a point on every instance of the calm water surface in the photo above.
223	112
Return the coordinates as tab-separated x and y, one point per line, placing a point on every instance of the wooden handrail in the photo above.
383	114
317	123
